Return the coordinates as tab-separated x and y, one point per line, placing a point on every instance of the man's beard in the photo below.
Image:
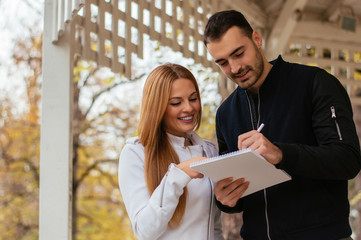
257	69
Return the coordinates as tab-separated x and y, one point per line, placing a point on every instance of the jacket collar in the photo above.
180	141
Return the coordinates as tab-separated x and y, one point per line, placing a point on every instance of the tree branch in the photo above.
90	168
96	96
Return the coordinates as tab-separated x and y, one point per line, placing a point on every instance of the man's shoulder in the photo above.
296	67
299	68
235	97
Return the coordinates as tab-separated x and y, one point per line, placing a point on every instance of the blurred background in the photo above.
106	111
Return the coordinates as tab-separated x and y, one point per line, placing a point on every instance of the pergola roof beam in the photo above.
251	11
283	27
333	11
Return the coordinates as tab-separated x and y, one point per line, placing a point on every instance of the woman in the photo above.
164	197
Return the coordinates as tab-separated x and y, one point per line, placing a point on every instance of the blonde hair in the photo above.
159	153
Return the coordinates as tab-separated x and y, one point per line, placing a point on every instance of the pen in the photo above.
259	129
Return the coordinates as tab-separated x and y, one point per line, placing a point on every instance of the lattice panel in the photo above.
340	59
110	32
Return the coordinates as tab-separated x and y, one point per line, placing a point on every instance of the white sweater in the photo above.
150	214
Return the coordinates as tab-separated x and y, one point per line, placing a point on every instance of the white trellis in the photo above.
109	33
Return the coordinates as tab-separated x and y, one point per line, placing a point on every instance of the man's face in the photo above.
239	57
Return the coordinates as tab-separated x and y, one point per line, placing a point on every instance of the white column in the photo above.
56	135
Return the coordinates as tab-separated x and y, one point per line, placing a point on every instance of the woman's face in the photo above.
183	108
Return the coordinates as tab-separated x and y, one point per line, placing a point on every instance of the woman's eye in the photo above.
175	103
193	99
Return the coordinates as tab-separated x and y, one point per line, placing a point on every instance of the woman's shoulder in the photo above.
133	144
133	141
132	149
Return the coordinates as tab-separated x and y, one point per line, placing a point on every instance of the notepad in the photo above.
244	163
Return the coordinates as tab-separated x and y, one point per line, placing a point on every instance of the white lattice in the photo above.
110	32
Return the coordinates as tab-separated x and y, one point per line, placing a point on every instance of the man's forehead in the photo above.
231	41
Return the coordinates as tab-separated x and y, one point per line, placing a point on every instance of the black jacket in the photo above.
308	115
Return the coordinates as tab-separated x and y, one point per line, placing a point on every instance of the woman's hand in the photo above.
184	166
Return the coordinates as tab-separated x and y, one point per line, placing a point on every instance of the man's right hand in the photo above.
228	192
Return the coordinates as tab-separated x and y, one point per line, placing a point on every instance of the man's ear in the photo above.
257	39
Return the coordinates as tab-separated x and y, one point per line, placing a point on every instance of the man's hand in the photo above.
259	143
228	192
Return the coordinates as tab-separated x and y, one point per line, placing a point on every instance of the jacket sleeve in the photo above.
337	155
236	209
149	214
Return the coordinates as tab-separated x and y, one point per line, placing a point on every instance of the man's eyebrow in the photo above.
232	53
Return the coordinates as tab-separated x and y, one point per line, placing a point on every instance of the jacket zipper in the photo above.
333	116
266	213
250	110
210	213
210	217
264	191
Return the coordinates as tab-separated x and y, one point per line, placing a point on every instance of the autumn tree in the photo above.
19	146
100	127
99	209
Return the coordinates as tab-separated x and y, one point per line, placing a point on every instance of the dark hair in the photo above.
220	22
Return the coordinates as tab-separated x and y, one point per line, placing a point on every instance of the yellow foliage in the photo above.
109	80
207	129
355	199
357	75
357	57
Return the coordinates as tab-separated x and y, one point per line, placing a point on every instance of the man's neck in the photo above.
266	69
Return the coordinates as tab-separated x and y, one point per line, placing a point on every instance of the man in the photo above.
309	133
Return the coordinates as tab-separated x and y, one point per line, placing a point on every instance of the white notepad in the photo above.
244	163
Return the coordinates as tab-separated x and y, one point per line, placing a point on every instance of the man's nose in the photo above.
235	66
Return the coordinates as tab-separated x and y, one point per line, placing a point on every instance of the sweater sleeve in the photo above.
337	155
149	214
